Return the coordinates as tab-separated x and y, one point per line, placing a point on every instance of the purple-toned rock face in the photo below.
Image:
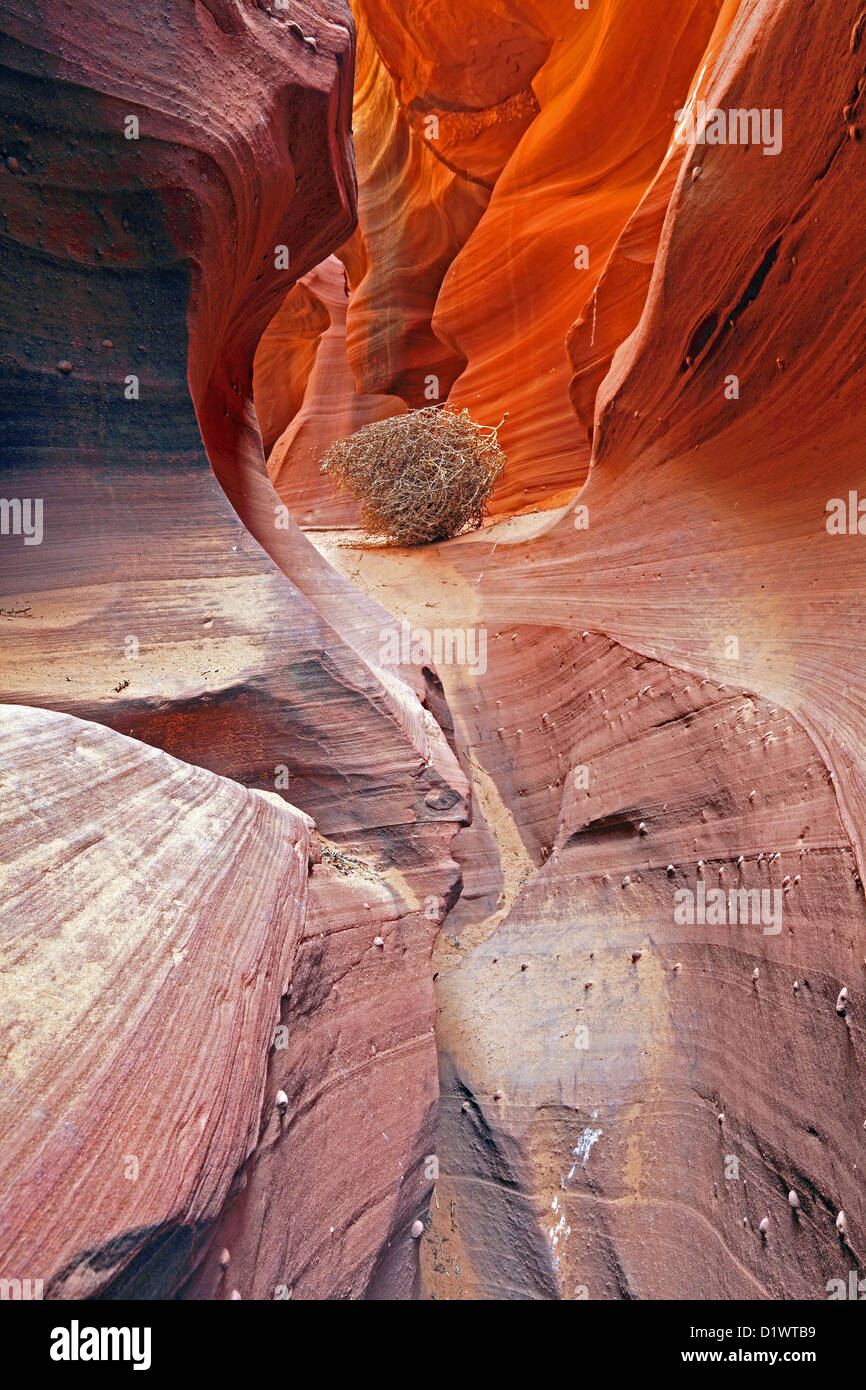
674	682
240	882
168	172
151	230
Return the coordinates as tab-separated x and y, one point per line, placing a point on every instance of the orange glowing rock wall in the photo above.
672	704
501	151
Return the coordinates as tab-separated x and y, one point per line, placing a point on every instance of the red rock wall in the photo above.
152	913
673	684
151	608
706	522
485	165
673	697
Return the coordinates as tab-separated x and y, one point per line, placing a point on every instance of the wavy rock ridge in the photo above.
498	164
671	703
237	688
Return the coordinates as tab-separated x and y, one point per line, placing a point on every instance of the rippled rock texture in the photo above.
663	708
151	916
672	704
150	233
501	149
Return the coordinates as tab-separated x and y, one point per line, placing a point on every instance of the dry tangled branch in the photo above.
420	477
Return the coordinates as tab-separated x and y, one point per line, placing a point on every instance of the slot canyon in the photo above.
368	914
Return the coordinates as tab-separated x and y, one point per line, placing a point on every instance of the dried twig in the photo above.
420	477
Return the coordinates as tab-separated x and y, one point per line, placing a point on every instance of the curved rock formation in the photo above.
650	988
561	201
415	212
151	915
496	174
286	355
672	704
331	408
146	269
618	297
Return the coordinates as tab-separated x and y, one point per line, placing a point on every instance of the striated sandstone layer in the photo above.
618	296
147	269
379	352
672	689
673	697
625	1099
512	294
498	163
151	913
